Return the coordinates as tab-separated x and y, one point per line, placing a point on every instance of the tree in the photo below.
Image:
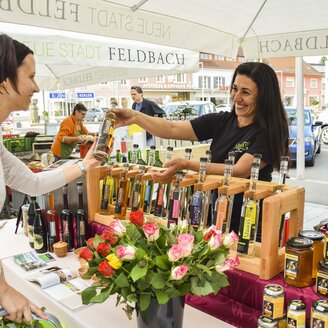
323	59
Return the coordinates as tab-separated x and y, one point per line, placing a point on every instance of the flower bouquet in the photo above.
141	261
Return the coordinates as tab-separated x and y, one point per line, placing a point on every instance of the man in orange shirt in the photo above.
71	132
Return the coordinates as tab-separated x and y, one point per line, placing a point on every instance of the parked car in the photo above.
223	108
312	135
183	110
323	117
94	115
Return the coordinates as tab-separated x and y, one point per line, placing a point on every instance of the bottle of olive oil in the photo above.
106	186
137	192
223	205
249	216
121	201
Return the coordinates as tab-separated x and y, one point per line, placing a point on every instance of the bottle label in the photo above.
52	228
160	197
296	320
195	214
319	320
30	234
291	266
322	283
82	228
38	242
273	307
65	228
176	209
222	210
135	200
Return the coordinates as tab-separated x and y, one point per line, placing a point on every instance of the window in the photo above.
218	81
218	57
160	79
313	83
143	79
207	82
205	56
180	78
123	82
289	82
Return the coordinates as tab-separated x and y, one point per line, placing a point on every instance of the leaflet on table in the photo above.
31	260
60	284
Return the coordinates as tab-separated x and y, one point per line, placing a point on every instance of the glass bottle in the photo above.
39	233
266	322
223	205
53	223
107	186
105	137
169	154
296	314
157	162
175	200
66	217
118	156
137	197
208	155
197	200
188	153
140	161
134	158
81	218
151	158
31	216
249	217
121	201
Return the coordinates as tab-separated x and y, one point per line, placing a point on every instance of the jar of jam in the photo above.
322	278
273	301
266	322
296	315
298	262
318	244
319	314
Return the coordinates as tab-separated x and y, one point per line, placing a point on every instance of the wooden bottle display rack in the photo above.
268	260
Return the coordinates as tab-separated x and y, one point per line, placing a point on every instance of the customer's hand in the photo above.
19	308
89	161
176	164
80	138
124	116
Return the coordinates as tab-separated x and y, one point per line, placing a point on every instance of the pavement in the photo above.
313	214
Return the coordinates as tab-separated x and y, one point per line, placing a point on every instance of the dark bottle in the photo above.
158	162
81	218
159	204
40	233
105	137
66	217
175	200
30	222
137	194
122	197
53	223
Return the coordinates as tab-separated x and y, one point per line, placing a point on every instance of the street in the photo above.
316	179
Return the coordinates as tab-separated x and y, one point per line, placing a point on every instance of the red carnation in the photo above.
103	249
137	218
86	253
105	269
90	242
110	237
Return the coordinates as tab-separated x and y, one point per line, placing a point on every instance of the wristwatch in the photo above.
82	167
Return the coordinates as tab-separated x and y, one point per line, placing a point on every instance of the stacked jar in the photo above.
298	262
296	314
322	278
319	314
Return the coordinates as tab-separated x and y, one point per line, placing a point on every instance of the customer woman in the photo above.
257	124
17	86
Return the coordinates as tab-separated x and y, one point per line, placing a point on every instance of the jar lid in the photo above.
299	242
323	264
265	321
296	305
320	305
312	234
273	289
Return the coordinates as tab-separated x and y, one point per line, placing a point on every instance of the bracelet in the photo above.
82	167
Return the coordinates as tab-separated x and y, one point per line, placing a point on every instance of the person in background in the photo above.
71	132
17	86
145	106
257	124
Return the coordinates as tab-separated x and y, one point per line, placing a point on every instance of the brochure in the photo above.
63	285
31	260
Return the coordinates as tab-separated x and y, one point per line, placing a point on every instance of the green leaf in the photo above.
198	236
137	272
122	281
161	296
158	281
88	294
132	298
162	262
102	296
144	301
200	288
204	268
96	241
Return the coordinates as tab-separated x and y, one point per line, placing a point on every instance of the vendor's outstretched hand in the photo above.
176	164
124	116
89	161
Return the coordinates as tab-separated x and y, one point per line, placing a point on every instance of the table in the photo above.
93	316
240	304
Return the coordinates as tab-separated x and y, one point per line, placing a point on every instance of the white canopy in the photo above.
264	28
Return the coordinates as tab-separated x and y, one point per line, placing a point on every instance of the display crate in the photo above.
15	145
269	257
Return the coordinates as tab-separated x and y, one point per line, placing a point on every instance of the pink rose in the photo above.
183	224
174	253
215	242
230	239
117	227
151	231
228	264
212	230
126	252
179	272
186	243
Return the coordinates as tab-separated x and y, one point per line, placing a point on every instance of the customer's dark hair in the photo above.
12	55
79	107
270	113
137	88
